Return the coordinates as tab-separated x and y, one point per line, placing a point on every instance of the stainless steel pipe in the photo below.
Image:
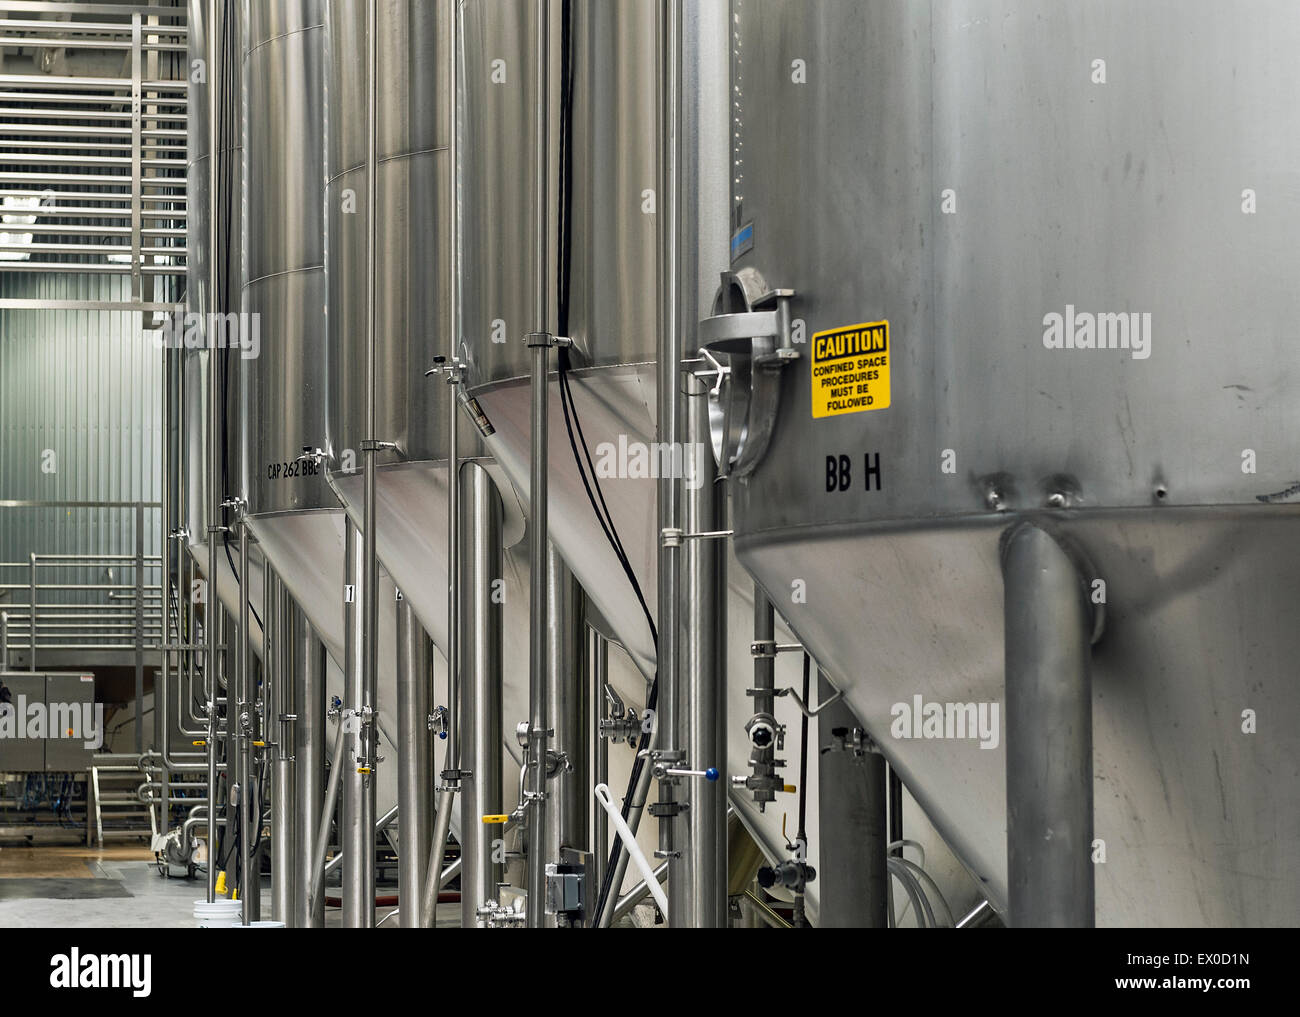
213	447
316	880
309	735
569	787
249	888
702	700
539	527
1048	624
367	700
596	671
481	792
413	765
278	658
672	823
853	836
358	837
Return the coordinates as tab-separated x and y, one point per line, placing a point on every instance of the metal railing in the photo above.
93	165
61	622
63	602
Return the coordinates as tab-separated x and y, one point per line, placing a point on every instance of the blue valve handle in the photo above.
711	774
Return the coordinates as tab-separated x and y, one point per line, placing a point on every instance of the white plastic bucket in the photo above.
218	914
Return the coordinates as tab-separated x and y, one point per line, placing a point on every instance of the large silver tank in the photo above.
293	513
613	291
195	362
413	298
963	170
613	307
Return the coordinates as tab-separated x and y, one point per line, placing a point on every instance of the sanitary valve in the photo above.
622	724
710	774
764	732
792	874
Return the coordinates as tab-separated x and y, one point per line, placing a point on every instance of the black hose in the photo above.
802	836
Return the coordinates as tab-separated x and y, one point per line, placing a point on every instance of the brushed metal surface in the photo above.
284	389
414	238
1119	197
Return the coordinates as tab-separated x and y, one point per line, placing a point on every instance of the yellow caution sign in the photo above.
850	369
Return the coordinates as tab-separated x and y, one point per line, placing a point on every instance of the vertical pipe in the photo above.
764	684
213	512
413	763
367	698
704	651
4	642
672	832
309	765
31	611
442	817
569	788
480	701
163	676
852	832
281	653
249	889
1048	734
538	493
139	628
358	838
596	670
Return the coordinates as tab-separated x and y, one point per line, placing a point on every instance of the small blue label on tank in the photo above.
742	241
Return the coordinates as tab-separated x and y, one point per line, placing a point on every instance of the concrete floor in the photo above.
118	888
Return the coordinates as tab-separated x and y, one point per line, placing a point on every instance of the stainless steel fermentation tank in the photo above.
292	513
613	302
195	363
964	171
413	300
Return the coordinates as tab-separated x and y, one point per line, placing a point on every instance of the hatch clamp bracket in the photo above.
756	345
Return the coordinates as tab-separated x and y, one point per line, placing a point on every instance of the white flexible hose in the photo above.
633	848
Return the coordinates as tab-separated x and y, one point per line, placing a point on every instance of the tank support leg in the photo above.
1048	629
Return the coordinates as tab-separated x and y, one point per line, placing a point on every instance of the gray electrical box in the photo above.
49	720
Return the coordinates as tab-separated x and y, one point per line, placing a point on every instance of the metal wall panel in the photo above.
86	387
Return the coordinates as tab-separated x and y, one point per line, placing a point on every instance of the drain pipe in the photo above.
853	832
279	717
595	671
248	883
412	760
309	767
539	342
703	712
358	839
359	906
210	609
480	701
316	878
454	376
568	767
671	753
1049	631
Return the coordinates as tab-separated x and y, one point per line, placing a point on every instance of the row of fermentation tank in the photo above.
956	170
